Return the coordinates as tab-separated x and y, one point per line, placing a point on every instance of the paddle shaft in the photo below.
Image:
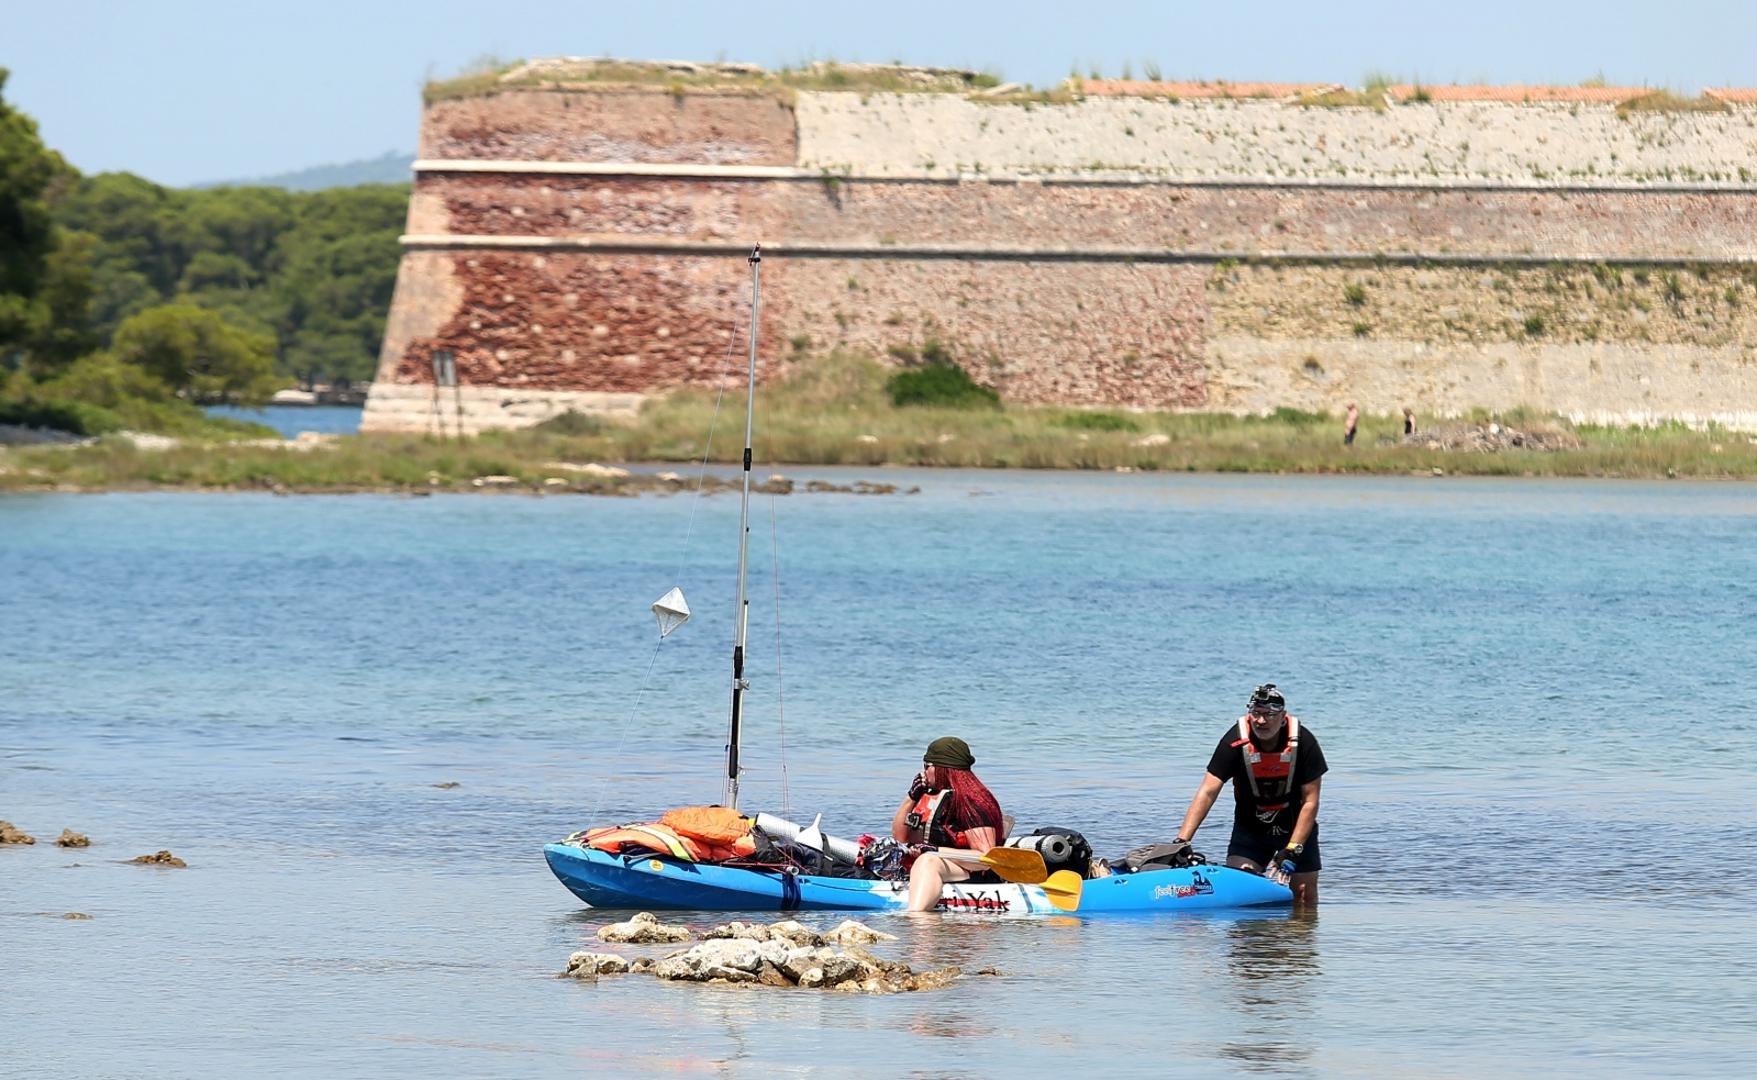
1012	864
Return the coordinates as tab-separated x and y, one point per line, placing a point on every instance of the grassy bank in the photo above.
838	413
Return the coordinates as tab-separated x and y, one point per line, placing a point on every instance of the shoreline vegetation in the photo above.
843	410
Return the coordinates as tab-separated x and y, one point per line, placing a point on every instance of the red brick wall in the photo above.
543	125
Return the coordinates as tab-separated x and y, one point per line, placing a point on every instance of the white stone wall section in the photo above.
1259	140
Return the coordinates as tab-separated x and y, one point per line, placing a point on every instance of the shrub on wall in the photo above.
940	383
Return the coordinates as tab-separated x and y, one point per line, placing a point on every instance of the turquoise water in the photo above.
290	420
1534	697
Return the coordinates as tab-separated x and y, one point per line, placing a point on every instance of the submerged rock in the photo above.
644	928
159	858
590	965
731	959
9	834
853	933
447	785
795	933
69	838
739	930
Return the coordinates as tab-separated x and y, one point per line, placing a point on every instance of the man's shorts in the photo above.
1258	847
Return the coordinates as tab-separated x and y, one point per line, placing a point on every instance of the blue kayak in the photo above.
657	882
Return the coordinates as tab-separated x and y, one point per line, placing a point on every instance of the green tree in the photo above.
27	169
198	354
63	330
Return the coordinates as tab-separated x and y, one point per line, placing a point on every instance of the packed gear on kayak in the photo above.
1174	855
680	837
1062	849
712	835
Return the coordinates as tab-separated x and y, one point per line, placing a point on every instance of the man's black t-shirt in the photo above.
1228	763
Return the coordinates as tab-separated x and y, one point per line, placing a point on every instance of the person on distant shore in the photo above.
1408	422
1276	768
947	809
1349	423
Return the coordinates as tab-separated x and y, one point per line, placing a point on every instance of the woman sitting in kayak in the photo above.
947	808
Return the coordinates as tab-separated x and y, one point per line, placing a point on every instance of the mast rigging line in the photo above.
780	682
683	554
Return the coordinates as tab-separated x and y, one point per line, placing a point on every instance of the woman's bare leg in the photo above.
926	878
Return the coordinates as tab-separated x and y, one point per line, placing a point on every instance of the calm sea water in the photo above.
1535	698
290	420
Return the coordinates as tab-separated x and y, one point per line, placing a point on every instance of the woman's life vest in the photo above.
1270	775
928	816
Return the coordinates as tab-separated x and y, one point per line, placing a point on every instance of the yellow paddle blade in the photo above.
1063	889
1016	864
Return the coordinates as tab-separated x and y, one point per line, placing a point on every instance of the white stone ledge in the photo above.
614	245
417	408
1106	178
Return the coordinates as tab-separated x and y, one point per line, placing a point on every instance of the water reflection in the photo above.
1271	964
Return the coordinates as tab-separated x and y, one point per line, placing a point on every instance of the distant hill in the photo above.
389	168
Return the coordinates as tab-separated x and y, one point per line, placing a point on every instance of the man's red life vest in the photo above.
1270	775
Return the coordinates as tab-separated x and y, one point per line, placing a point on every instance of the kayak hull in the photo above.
661	883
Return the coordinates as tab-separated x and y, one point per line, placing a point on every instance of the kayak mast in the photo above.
742	619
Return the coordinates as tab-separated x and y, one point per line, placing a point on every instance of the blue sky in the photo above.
183	91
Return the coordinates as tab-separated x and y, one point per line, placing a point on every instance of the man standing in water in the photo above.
1276	767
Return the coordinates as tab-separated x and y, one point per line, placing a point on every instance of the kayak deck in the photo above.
656	882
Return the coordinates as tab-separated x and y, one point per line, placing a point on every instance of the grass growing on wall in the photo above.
495	76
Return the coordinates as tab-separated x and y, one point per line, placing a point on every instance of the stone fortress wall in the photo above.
579	244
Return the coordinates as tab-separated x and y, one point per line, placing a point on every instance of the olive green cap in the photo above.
952	752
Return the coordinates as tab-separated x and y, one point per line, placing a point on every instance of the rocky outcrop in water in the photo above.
9	834
644	929
159	858
784	954
69	838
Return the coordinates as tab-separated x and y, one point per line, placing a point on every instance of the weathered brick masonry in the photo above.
582	247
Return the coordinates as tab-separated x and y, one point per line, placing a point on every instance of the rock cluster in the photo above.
797	934
643	929
69	838
9	834
785	954
160	858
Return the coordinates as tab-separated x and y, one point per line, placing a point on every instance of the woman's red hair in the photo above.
973	805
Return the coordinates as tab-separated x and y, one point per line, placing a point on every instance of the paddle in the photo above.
1027	868
1063	889
1012	864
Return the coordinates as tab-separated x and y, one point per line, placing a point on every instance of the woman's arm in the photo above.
980	840
900	827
